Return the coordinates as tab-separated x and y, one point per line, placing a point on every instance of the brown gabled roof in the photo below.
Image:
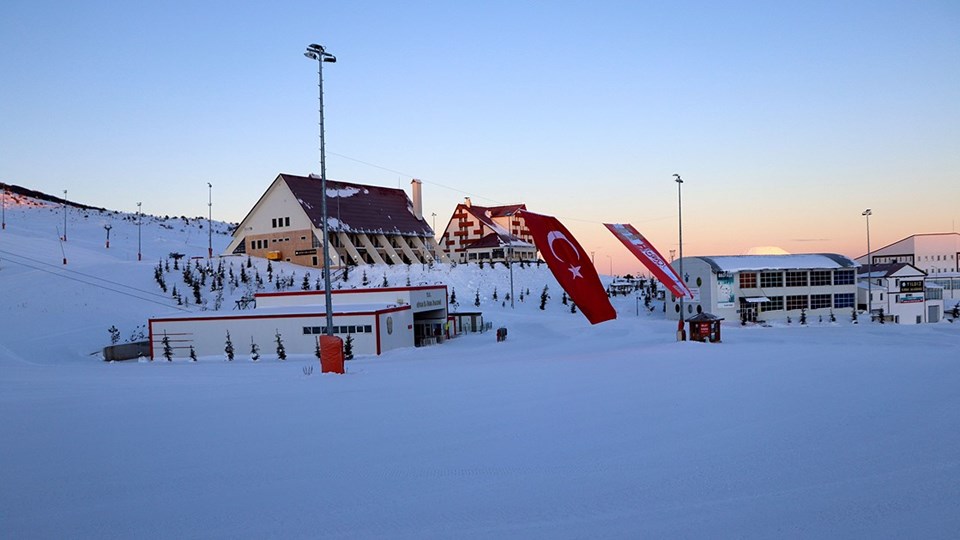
358	208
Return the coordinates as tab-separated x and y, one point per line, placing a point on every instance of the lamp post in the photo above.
434	214
4	208
510	253
108	227
610	258
681	335
320	54
64	215
139	221
209	220
867	213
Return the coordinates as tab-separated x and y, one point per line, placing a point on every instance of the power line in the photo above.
97	285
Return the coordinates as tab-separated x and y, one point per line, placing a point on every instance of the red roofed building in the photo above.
495	233
366	225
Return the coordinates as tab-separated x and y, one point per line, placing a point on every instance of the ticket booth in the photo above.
705	327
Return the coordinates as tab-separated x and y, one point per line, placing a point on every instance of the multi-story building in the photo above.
493	234
899	291
933	253
365	225
767	287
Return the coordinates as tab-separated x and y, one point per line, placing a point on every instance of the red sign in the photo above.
650	257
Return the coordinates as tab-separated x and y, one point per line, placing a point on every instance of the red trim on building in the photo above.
276	316
377	321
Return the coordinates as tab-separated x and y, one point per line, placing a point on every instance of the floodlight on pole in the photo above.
209	220
867	213
320	54
681	335
108	227
139	222
64	215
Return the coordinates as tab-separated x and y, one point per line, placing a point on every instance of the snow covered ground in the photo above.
565	430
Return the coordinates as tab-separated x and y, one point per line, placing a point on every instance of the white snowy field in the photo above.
565	430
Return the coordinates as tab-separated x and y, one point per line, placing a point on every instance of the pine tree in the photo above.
364	280
114	334
453	296
193	354
243	275
803	316
269	270
254	350
305	286
881	316
543	298
348	348
573	307
494	294
316	349
228	349
281	350
249	262
346	273
853	316
833	318
481	264
197	299
167	349
521	295
476	299
385	282
564	298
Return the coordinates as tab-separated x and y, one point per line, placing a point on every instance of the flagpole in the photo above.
681	334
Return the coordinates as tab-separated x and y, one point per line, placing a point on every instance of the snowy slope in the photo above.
565	430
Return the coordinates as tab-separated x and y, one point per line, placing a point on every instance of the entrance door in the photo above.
933	314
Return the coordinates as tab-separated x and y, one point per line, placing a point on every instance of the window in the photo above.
819	301
771	279
748	280
367	328
286	222
274	223
843	300
819	278
775	304
352	330
798	301
797	278
843	277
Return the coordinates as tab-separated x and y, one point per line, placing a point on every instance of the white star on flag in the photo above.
575	270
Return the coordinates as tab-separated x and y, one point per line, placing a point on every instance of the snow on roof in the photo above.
810	261
293	311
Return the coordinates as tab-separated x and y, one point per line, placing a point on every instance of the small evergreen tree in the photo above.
346	273
249	262
385	282
281	350
521	295
494	294
269	270
564	298
196	293
305	286
167	349
788	319
228	349
193	354
114	335
573	307
254	350
364	280
853	316
528	291
881	316
833	318
476	299
481	263
543	298
803	316
316	349
453	296
243	275
348	348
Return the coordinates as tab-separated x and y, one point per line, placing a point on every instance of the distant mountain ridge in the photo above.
39	195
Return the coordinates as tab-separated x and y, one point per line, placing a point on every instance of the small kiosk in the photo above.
705	327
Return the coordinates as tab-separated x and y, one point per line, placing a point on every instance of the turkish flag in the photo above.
571	266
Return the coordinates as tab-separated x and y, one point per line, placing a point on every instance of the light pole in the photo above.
681	334
610	258
434	214
867	213
510	253
209	220
64	215
139	221
108	227
4	208
673	254
319	53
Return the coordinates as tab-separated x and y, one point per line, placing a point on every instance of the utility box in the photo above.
331	354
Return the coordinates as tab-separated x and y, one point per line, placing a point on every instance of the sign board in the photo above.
300	252
910	298
911	286
725	291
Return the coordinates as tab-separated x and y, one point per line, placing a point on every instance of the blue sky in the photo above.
786	120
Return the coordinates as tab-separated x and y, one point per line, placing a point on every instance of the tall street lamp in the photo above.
4	208
610	258
139	221
209	220
867	213
681	334
320	54
107	227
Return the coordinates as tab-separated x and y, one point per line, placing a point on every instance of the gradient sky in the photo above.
785	119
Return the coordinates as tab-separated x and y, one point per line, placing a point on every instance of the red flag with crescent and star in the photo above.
571	266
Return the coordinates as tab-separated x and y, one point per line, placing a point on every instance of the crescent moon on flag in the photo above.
557	235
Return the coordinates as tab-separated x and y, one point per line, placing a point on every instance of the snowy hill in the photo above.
565	430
